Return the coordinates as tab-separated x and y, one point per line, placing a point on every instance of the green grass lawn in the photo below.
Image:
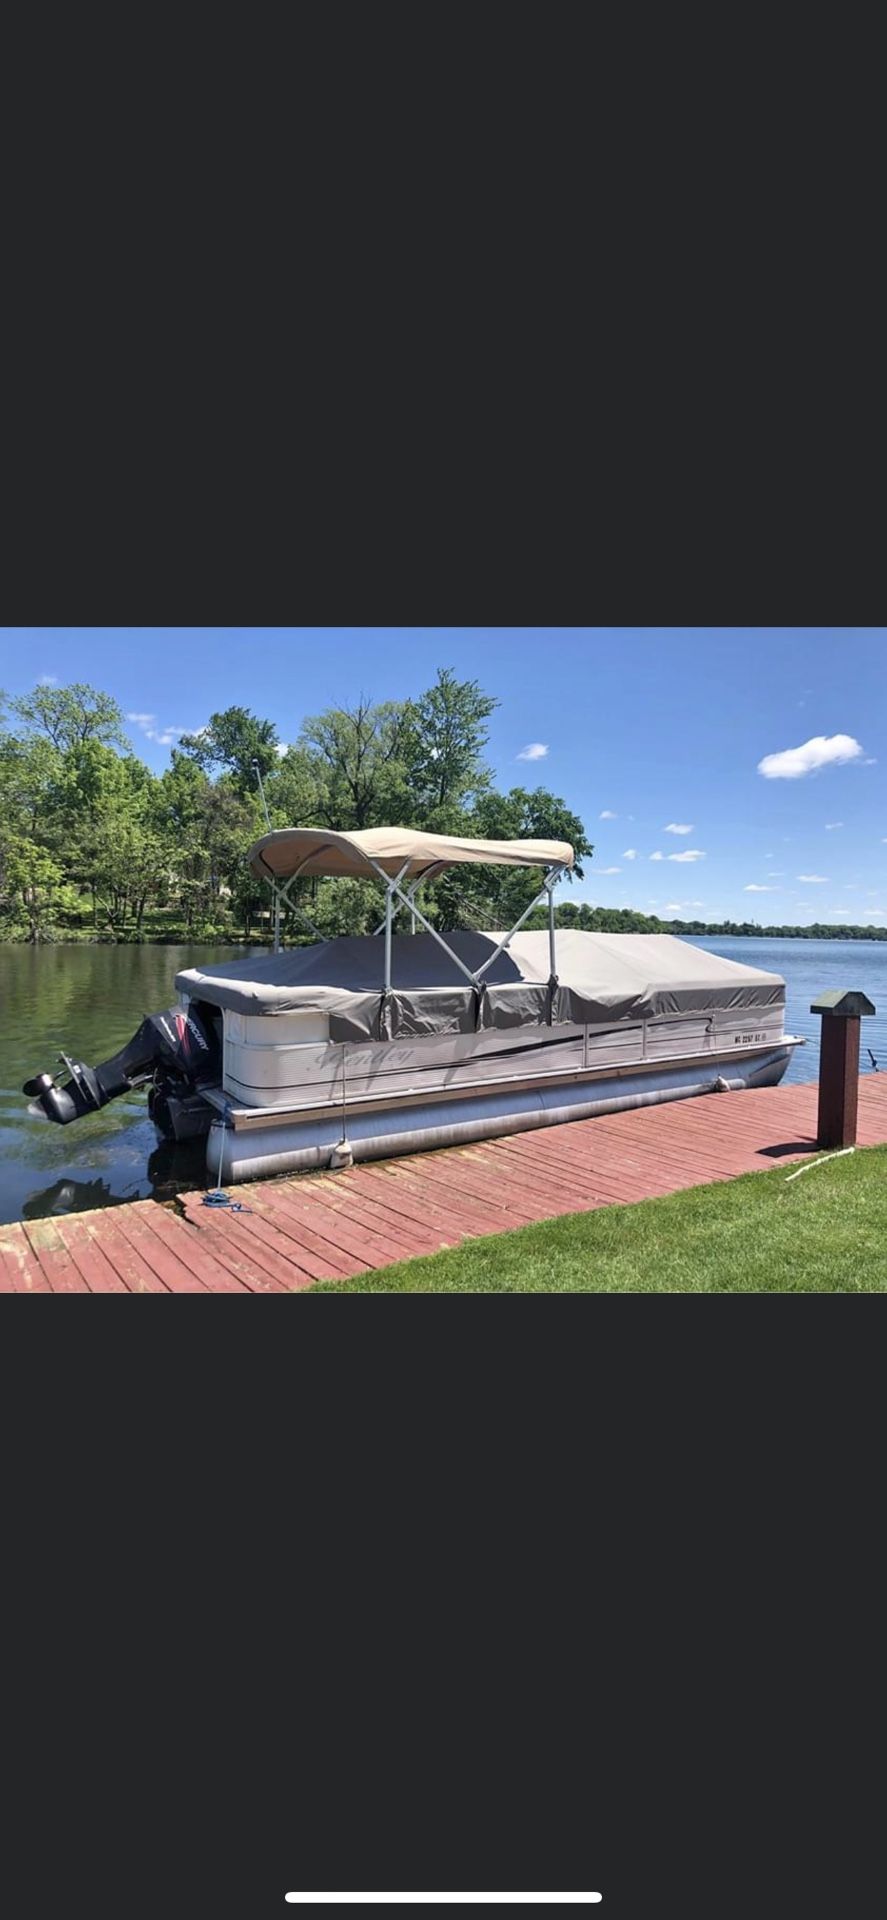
823	1233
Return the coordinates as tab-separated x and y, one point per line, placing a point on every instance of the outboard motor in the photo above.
178	1051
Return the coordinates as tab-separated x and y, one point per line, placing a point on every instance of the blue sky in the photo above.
643	730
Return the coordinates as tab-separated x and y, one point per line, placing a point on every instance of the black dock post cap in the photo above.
850	1006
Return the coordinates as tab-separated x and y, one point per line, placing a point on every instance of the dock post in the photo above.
839	1065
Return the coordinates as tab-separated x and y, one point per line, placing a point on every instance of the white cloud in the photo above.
754	888
873	913
777	874
166	736
871	761
672	906
631	853
657	856
823	750
161	736
537	750
607	815
691	853
608	869
48	680
812	879
673	828
281	748
831	826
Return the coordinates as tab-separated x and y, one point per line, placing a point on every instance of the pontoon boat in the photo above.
355	1048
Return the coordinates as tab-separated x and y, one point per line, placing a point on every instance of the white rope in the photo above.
839	1155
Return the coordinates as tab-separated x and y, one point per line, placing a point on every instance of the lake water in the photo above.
812	967
89	1000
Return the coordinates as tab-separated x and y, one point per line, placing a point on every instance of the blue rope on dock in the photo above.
216	1198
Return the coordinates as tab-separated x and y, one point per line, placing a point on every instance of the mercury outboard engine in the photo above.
177	1051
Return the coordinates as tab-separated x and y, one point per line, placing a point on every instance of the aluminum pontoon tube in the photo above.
300	1147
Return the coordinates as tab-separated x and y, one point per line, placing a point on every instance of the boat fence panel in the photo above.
292	1076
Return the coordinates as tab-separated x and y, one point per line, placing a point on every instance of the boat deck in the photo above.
292	1231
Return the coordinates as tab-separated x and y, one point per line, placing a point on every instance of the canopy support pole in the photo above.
409	902
551	880
393	888
282	898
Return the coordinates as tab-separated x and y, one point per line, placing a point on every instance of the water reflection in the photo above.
72	1196
177	1168
170	1170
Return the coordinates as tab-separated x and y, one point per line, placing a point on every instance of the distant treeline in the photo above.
626	920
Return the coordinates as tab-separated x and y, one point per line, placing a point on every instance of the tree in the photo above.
294	791
214	826
236	741
69	716
30	880
360	757
129	865
495	897
448	734
30	772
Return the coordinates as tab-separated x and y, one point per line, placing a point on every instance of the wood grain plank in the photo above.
181	1240
133	1270
88	1255
270	1248
168	1267
21	1268
58	1267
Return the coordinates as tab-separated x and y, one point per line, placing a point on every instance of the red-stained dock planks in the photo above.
329	1226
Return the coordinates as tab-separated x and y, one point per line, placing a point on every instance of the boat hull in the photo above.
260	1147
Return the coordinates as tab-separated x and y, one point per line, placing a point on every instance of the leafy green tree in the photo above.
69	716
32	884
295	790
360	758
447	734
30	773
210	826
129	867
234	741
495	897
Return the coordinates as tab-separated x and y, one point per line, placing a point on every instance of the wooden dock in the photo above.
330	1226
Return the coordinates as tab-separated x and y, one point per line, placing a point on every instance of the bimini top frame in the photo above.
402	859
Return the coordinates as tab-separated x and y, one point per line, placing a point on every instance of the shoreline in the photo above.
861	936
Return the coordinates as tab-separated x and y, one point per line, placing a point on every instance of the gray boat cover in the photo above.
603	978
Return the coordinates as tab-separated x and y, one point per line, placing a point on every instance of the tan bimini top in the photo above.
313	850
